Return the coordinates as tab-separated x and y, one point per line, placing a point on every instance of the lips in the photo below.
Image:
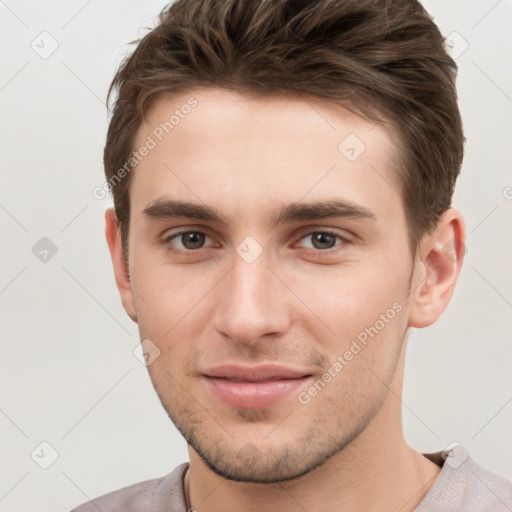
253	387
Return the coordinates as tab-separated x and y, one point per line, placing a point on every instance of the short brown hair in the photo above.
385	58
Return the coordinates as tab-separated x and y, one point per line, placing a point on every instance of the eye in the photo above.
323	240
189	240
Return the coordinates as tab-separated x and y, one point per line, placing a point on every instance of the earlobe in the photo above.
437	269
121	270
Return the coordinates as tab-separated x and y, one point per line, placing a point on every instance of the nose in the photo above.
252	303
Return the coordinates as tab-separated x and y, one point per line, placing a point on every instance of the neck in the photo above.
376	471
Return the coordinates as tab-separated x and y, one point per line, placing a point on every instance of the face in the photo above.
270	266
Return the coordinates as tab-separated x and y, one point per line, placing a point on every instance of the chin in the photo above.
236	469
265	465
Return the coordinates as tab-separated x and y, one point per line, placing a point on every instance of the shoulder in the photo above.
142	496
488	490
465	486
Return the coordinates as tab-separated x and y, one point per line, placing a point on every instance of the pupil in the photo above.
323	238
193	240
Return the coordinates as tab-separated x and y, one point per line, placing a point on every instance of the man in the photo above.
282	175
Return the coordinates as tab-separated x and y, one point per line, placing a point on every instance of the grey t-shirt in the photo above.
461	486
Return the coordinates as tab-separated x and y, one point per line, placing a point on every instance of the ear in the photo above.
437	267
121	270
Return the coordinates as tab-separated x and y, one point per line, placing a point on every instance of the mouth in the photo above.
253	387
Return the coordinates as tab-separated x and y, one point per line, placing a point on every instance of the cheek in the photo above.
166	298
356	303
169	315
368	314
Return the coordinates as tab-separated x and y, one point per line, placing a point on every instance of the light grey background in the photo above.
68	373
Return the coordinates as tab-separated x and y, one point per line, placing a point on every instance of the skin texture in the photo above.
299	303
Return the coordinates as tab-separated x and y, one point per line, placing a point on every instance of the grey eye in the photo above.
322	240
191	240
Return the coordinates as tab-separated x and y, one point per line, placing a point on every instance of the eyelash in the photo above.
193	252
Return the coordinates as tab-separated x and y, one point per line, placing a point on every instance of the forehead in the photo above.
214	144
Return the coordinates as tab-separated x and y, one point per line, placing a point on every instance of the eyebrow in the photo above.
173	208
